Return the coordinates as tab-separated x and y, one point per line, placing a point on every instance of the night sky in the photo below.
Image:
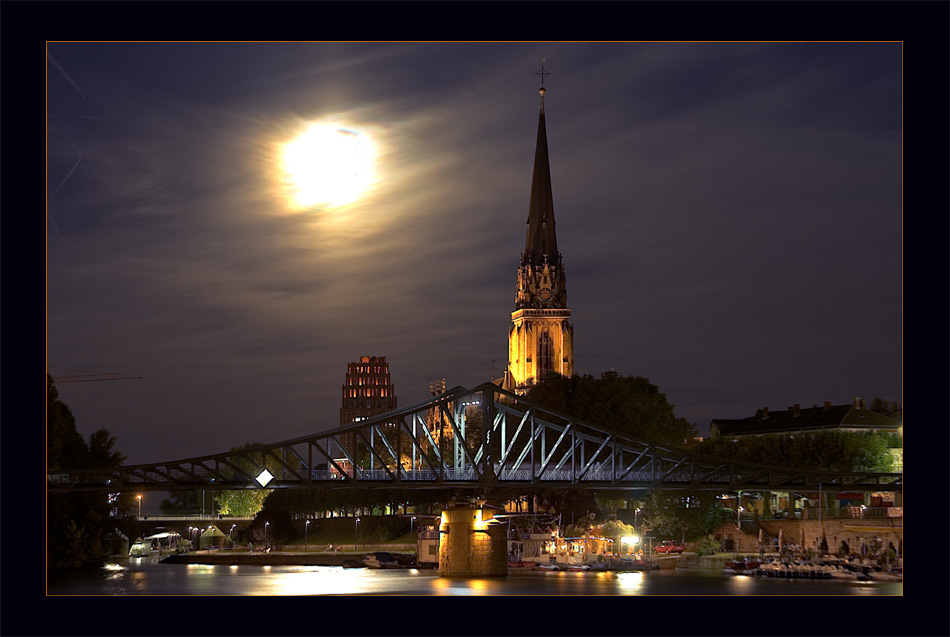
730	217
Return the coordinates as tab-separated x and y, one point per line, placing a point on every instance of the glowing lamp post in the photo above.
357	530
306	536
738	516
266	524
139	498
629	541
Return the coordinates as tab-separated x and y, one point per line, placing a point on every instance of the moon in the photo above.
329	164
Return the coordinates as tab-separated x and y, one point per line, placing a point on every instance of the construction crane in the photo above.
85	378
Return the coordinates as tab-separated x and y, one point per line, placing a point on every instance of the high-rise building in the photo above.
541	337
368	392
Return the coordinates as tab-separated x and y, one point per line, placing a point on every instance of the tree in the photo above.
629	405
81	527
678	513
616	529
245	502
102	452
65	447
821	450
707	546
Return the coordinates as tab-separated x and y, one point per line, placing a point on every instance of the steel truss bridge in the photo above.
481	438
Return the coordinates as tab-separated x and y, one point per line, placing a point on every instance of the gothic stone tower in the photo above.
541	337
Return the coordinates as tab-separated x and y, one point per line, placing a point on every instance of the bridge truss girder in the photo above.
444	442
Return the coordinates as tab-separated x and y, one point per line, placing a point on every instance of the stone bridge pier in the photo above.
471	542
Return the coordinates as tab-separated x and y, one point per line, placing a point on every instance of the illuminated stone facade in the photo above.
541	337
471	544
368	392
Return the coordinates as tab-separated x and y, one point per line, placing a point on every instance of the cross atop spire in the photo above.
542	73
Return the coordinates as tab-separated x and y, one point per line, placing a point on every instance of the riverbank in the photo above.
353	558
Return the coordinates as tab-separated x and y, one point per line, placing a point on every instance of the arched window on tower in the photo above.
545	355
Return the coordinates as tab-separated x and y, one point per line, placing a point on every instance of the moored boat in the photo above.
380	559
159	545
740	567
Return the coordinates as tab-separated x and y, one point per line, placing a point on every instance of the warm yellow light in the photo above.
329	164
630	540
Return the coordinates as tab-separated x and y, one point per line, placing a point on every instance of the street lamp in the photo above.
636	516
357	540
411	520
139	497
306	531
738	517
266	524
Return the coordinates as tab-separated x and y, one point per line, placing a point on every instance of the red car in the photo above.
670	547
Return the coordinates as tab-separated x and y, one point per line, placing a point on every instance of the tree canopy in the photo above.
245	502
630	405
80	527
819	450
680	514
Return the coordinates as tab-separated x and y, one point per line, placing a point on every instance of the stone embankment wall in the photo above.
808	533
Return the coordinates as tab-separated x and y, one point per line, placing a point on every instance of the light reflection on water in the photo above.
199	579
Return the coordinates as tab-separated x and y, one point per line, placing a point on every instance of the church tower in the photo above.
541	337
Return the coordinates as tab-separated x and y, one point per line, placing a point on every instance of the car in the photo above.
669	546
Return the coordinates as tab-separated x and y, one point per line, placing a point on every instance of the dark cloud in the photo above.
729	216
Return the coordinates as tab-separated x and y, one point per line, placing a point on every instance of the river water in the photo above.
140	577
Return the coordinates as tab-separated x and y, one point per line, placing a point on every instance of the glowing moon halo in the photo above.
329	164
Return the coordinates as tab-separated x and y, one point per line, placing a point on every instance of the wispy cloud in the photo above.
725	213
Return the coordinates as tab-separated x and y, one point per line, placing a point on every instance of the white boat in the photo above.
159	544
141	548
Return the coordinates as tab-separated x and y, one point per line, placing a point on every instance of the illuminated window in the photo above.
545	357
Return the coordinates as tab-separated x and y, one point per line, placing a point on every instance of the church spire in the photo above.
541	240
541	337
